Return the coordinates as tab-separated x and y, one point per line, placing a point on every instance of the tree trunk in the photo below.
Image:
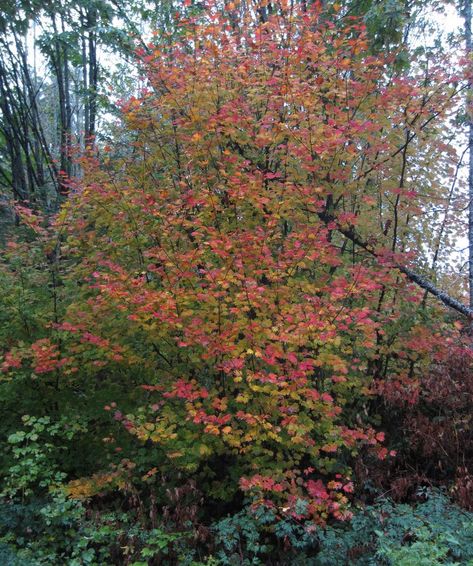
468	41
93	73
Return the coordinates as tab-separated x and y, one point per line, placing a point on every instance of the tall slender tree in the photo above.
467	13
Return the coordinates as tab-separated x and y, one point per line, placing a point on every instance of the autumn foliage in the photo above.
206	264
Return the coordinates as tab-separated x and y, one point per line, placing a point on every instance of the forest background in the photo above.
236	299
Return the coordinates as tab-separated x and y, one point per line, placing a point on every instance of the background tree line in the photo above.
59	59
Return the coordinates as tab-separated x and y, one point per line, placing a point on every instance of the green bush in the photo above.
432	532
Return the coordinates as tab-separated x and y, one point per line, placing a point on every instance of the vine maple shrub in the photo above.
223	252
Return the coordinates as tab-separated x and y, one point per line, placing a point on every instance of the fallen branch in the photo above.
419	280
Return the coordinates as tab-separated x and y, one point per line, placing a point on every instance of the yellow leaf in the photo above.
204	450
